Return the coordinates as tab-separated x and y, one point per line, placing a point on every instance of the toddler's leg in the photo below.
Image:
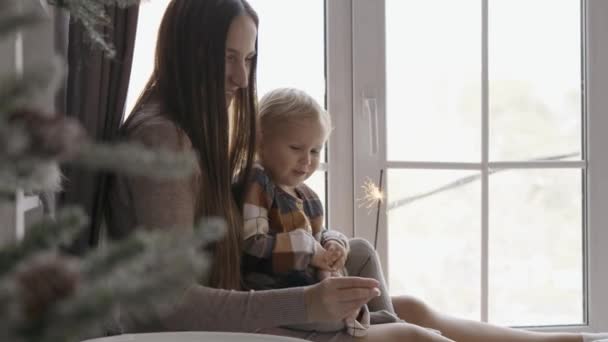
360	263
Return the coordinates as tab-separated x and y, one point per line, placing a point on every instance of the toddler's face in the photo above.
291	152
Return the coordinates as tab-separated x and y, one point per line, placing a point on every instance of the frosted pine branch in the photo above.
136	159
44	235
142	276
45	296
32	143
94	18
32	176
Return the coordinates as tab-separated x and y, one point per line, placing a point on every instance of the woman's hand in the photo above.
334	299
336	255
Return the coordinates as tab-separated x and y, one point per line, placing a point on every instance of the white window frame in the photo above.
339	73
356	69
596	75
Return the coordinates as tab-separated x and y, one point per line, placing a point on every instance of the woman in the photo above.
205	61
205	64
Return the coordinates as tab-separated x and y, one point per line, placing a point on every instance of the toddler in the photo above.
284	241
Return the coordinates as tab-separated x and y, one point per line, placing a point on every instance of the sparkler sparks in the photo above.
372	194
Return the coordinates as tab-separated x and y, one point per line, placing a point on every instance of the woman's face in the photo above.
240	51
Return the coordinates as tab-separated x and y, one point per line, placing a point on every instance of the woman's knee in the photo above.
413	310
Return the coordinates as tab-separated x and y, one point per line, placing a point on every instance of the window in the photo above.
478	115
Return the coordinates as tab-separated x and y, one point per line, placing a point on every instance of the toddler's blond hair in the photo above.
284	105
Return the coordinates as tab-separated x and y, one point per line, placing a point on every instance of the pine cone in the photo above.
51	136
45	280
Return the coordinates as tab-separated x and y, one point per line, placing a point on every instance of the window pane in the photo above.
535	79
291	48
433	63
434	238
535	265
317	183
148	21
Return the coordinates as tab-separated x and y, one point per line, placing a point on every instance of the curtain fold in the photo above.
96	93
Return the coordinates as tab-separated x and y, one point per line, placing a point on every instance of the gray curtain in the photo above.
95	94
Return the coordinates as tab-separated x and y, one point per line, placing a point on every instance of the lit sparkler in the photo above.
373	195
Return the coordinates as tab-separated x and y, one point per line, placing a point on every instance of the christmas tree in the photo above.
46	295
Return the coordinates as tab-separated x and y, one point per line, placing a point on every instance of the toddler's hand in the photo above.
336	255
320	259
322	274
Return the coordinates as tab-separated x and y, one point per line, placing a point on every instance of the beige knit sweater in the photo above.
136	202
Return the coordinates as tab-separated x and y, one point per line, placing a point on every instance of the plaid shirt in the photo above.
282	231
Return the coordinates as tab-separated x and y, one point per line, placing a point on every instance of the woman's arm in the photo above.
204	308
333	299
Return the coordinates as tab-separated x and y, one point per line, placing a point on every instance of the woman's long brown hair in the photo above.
188	82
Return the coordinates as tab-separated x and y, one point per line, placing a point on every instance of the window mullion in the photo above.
533	164
484	163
